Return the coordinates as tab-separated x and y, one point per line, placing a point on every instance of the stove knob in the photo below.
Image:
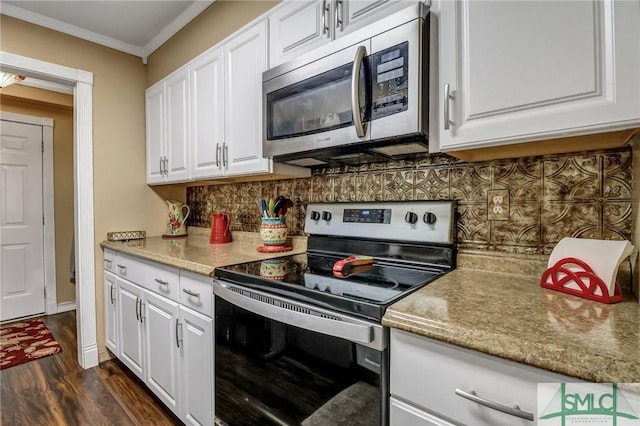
326	215
411	217
315	215
429	218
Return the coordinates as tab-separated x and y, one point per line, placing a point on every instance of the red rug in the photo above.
25	341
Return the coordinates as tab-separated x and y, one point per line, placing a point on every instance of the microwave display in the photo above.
390	73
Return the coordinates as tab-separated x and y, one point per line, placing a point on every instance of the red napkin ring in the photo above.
559	276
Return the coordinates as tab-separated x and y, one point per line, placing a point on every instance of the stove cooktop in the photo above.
365	291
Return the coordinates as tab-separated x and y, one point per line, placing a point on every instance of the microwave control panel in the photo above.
390	81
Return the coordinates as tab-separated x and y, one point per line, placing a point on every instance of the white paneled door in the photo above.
21	221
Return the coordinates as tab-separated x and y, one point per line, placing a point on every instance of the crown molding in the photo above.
47	85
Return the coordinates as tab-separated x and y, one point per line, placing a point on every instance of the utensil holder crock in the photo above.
273	231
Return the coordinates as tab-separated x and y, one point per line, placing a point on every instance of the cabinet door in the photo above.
111	312
207	114
154	110
354	14
160	319
245	60
522	70
131	350
177	137
401	413
298	27
197	364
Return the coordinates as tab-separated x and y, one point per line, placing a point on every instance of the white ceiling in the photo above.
135	27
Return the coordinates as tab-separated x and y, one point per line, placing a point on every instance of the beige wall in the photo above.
12	99
122	200
221	19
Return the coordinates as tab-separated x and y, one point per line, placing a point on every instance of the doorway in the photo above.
21	220
82	81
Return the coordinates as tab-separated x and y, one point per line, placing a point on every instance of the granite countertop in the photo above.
512	317
195	253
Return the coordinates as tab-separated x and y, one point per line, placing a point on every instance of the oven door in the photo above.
314	105
285	363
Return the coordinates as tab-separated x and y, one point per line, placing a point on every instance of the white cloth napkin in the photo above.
603	256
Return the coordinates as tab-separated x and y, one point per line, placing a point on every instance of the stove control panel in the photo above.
416	221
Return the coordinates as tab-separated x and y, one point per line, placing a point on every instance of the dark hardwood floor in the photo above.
57	391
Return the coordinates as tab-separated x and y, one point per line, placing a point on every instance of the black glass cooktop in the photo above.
364	290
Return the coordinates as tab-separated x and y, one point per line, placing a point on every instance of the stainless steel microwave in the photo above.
361	98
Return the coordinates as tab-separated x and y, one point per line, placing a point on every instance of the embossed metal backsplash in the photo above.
584	195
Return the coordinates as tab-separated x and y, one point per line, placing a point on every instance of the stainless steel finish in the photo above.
325	10
405	25
302	315
447	98
113	300
338	16
191	293
440	232
108	263
177	339
218	155
355	91
141	311
513	411
122	268
225	155
166	165
161	282
161	167
137	311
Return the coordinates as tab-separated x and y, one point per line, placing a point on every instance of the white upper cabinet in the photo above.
207	114
519	71
297	27
167	129
245	60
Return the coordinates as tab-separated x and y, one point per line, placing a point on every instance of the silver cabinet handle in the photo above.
141	311
225	154
338	7
191	293
178	339
513	411
355	92
161	166
447	99
218	155
111	294
325	9
293	313
123	269
137	307
161	282
108	263
166	165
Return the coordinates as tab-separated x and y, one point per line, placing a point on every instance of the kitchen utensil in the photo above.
178	214
272	204
220	224
280	201
263	208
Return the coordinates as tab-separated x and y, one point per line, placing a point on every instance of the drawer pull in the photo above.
108	263
162	282
123	269
513	411
191	293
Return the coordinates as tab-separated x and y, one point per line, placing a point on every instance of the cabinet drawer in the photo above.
109	260
153	276
428	373
403	414
196	292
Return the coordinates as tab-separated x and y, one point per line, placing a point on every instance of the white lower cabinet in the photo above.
160	317
434	383
164	333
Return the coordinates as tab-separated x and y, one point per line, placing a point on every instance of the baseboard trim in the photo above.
66	307
89	357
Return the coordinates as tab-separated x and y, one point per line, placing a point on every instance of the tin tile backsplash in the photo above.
584	195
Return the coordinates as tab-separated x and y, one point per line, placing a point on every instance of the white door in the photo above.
110	312
155	129
245	60
21	217
177	116
518	71
207	114
160	316
196	362
131	350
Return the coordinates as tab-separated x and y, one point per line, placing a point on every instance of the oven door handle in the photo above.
294	314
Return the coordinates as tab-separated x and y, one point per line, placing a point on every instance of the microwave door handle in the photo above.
355	92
